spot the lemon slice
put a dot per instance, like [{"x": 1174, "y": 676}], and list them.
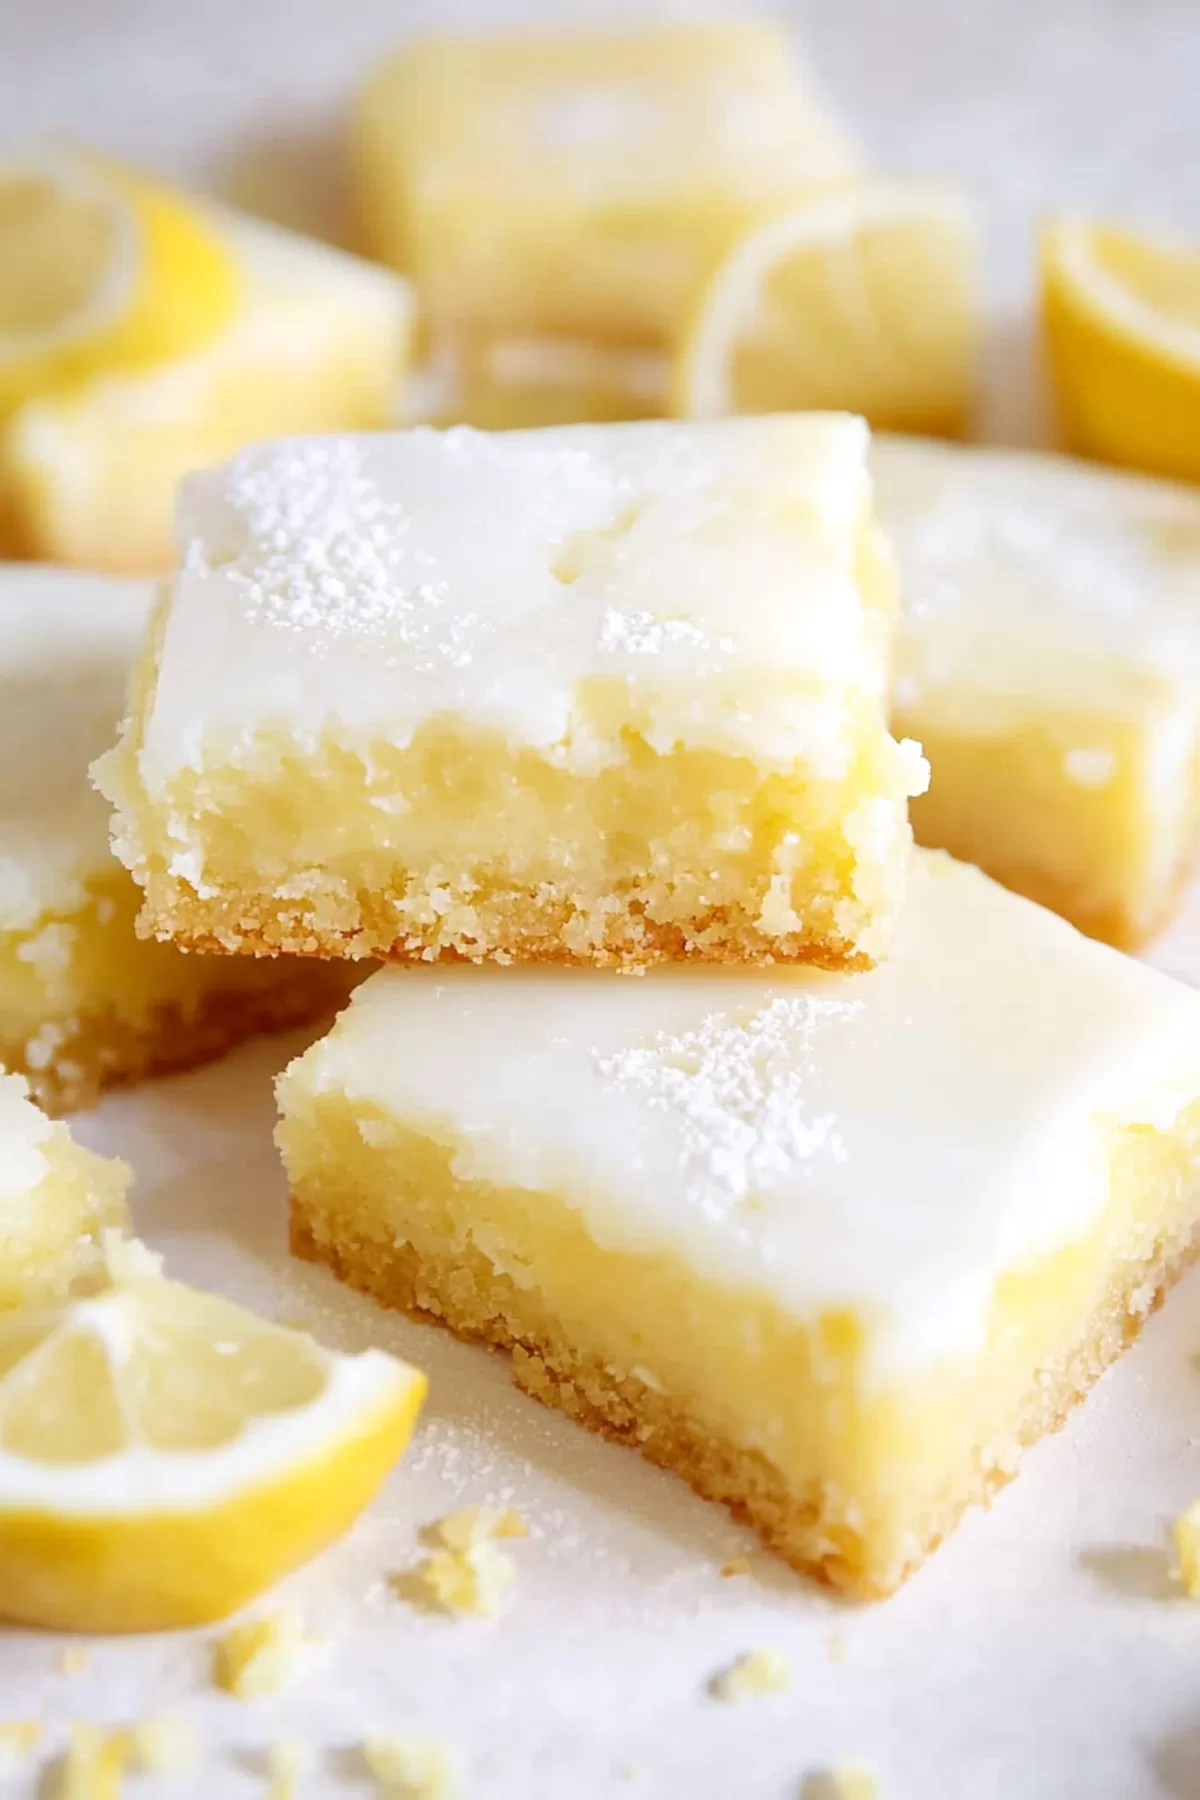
[
  {"x": 863, "y": 299},
  {"x": 320, "y": 343},
  {"x": 100, "y": 269},
  {"x": 166, "y": 1455},
  {"x": 1122, "y": 323}
]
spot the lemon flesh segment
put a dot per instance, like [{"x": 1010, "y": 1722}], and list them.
[
  {"x": 1121, "y": 317},
  {"x": 862, "y": 299},
  {"x": 101, "y": 270},
  {"x": 165, "y": 1455}
]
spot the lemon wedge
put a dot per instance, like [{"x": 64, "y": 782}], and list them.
[
  {"x": 1122, "y": 323},
  {"x": 166, "y": 1455},
  {"x": 100, "y": 269},
  {"x": 863, "y": 298}
]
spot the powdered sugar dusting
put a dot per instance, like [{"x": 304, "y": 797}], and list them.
[
  {"x": 738, "y": 1088},
  {"x": 644, "y": 635},
  {"x": 359, "y": 588},
  {"x": 323, "y": 552}
]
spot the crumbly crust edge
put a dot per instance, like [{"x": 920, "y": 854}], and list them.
[
  {"x": 463, "y": 1291},
  {"x": 534, "y": 931},
  {"x": 103, "y": 1049}
]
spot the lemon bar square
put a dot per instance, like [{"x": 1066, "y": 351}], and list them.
[
  {"x": 1049, "y": 660},
  {"x": 580, "y": 183},
  {"x": 834, "y": 1247},
  {"x": 83, "y": 1002},
  {"x": 56, "y": 1202},
  {"x": 606, "y": 694}
]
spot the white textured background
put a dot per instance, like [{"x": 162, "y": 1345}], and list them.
[{"x": 1042, "y": 1655}]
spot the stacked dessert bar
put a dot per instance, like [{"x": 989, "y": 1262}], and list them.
[{"x": 822, "y": 1170}]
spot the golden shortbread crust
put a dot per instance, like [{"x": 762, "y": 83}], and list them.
[
  {"x": 509, "y": 926},
  {"x": 102, "y": 1049}
]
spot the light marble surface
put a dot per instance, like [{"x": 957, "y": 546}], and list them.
[{"x": 1042, "y": 1653}]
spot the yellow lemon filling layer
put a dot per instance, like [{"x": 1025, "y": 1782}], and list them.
[{"x": 778, "y": 1416}]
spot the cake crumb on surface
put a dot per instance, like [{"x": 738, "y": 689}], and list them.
[
  {"x": 19, "y": 1738},
  {"x": 737, "y": 1565},
  {"x": 758, "y": 1672},
  {"x": 409, "y": 1765},
  {"x": 474, "y": 1580},
  {"x": 260, "y": 1657},
  {"x": 163, "y": 1745},
  {"x": 837, "y": 1647},
  {"x": 94, "y": 1763},
  {"x": 472, "y": 1525},
  {"x": 289, "y": 1760},
  {"x": 1186, "y": 1532},
  {"x": 73, "y": 1660},
  {"x": 845, "y": 1781}
]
